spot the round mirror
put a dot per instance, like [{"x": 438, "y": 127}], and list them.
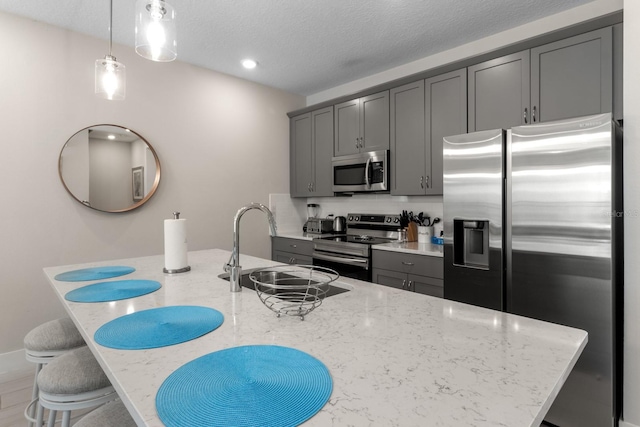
[{"x": 109, "y": 168}]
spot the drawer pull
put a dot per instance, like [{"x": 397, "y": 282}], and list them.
[
  {"x": 407, "y": 263},
  {"x": 294, "y": 246}
]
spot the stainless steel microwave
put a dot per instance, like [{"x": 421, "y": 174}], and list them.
[{"x": 361, "y": 172}]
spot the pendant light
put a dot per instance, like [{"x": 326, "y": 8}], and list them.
[
  {"x": 156, "y": 30},
  {"x": 110, "y": 74}
]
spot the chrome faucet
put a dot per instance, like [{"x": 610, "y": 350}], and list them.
[{"x": 233, "y": 267}]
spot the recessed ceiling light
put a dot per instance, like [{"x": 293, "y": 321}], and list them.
[
  {"x": 249, "y": 64},
  {"x": 111, "y": 137}
]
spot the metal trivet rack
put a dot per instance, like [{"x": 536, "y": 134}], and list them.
[{"x": 293, "y": 290}]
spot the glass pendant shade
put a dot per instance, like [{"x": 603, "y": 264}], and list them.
[
  {"x": 110, "y": 78},
  {"x": 156, "y": 30}
]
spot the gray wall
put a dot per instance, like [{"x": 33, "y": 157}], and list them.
[{"x": 214, "y": 135}]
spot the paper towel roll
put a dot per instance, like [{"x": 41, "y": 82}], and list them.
[{"x": 175, "y": 246}]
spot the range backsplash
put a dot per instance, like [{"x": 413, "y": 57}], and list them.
[{"x": 291, "y": 213}]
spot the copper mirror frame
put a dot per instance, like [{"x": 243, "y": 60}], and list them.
[{"x": 109, "y": 168}]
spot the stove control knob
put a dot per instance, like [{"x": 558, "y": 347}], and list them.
[
  {"x": 351, "y": 218},
  {"x": 389, "y": 219},
  {"x": 396, "y": 220},
  {"x": 357, "y": 218}
]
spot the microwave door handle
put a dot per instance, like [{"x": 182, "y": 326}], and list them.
[{"x": 366, "y": 173}]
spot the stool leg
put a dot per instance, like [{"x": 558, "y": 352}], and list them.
[
  {"x": 52, "y": 418},
  {"x": 34, "y": 395},
  {"x": 66, "y": 418},
  {"x": 40, "y": 416}
]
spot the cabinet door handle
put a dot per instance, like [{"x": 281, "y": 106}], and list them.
[
  {"x": 404, "y": 284},
  {"x": 422, "y": 182},
  {"x": 357, "y": 142},
  {"x": 292, "y": 260},
  {"x": 426, "y": 181},
  {"x": 409, "y": 287},
  {"x": 534, "y": 114},
  {"x": 524, "y": 116}
]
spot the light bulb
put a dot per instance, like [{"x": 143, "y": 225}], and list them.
[
  {"x": 156, "y": 38},
  {"x": 109, "y": 81}
]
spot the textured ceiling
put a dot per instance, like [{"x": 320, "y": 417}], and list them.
[{"x": 303, "y": 46}]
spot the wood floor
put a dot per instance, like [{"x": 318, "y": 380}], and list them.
[{"x": 15, "y": 395}]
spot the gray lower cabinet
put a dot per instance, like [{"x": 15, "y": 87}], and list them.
[
  {"x": 311, "y": 151},
  {"x": 568, "y": 78},
  {"x": 362, "y": 124},
  {"x": 417, "y": 273},
  {"x": 291, "y": 251},
  {"x": 422, "y": 113}
]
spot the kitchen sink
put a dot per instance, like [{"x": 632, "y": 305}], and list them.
[{"x": 292, "y": 282}]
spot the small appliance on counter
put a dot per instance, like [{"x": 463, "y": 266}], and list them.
[
  {"x": 339, "y": 224},
  {"x": 313, "y": 210},
  {"x": 319, "y": 225}
]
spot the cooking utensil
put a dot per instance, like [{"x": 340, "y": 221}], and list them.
[{"x": 435, "y": 221}]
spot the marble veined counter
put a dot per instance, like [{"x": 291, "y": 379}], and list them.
[{"x": 396, "y": 358}]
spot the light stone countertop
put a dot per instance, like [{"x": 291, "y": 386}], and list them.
[
  {"x": 427, "y": 249},
  {"x": 396, "y": 358}
]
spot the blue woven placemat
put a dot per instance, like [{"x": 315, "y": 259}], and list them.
[
  {"x": 94, "y": 273},
  {"x": 112, "y": 291},
  {"x": 158, "y": 327},
  {"x": 256, "y": 385}
]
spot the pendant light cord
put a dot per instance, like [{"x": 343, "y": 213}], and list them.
[{"x": 110, "y": 25}]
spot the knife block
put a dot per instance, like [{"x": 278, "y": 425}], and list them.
[{"x": 412, "y": 232}]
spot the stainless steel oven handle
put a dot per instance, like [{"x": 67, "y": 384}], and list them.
[
  {"x": 341, "y": 260},
  {"x": 366, "y": 172}
]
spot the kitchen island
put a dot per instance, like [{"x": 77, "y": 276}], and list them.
[{"x": 396, "y": 358}]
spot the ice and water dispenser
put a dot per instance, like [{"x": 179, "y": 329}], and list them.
[{"x": 471, "y": 243}]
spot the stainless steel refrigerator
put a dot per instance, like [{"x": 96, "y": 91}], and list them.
[{"x": 533, "y": 226}]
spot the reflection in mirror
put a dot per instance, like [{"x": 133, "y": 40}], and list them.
[{"x": 109, "y": 168}]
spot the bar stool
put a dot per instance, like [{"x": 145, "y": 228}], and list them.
[
  {"x": 72, "y": 381},
  {"x": 45, "y": 342},
  {"x": 112, "y": 414}
]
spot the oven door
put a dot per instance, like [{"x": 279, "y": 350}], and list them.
[
  {"x": 361, "y": 172},
  {"x": 346, "y": 265}
]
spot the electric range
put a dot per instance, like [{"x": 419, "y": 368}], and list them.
[{"x": 350, "y": 254}]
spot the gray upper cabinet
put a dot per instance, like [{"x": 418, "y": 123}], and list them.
[
  {"x": 572, "y": 77},
  {"x": 499, "y": 92},
  {"x": 446, "y": 114},
  {"x": 362, "y": 124},
  {"x": 568, "y": 78},
  {"x": 311, "y": 152},
  {"x": 408, "y": 144},
  {"x": 422, "y": 113},
  {"x": 300, "y": 155}
]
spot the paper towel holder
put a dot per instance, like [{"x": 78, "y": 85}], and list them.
[{"x": 176, "y": 215}]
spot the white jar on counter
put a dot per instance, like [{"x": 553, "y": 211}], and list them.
[{"x": 424, "y": 234}]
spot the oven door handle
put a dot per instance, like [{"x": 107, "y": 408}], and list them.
[{"x": 342, "y": 260}]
